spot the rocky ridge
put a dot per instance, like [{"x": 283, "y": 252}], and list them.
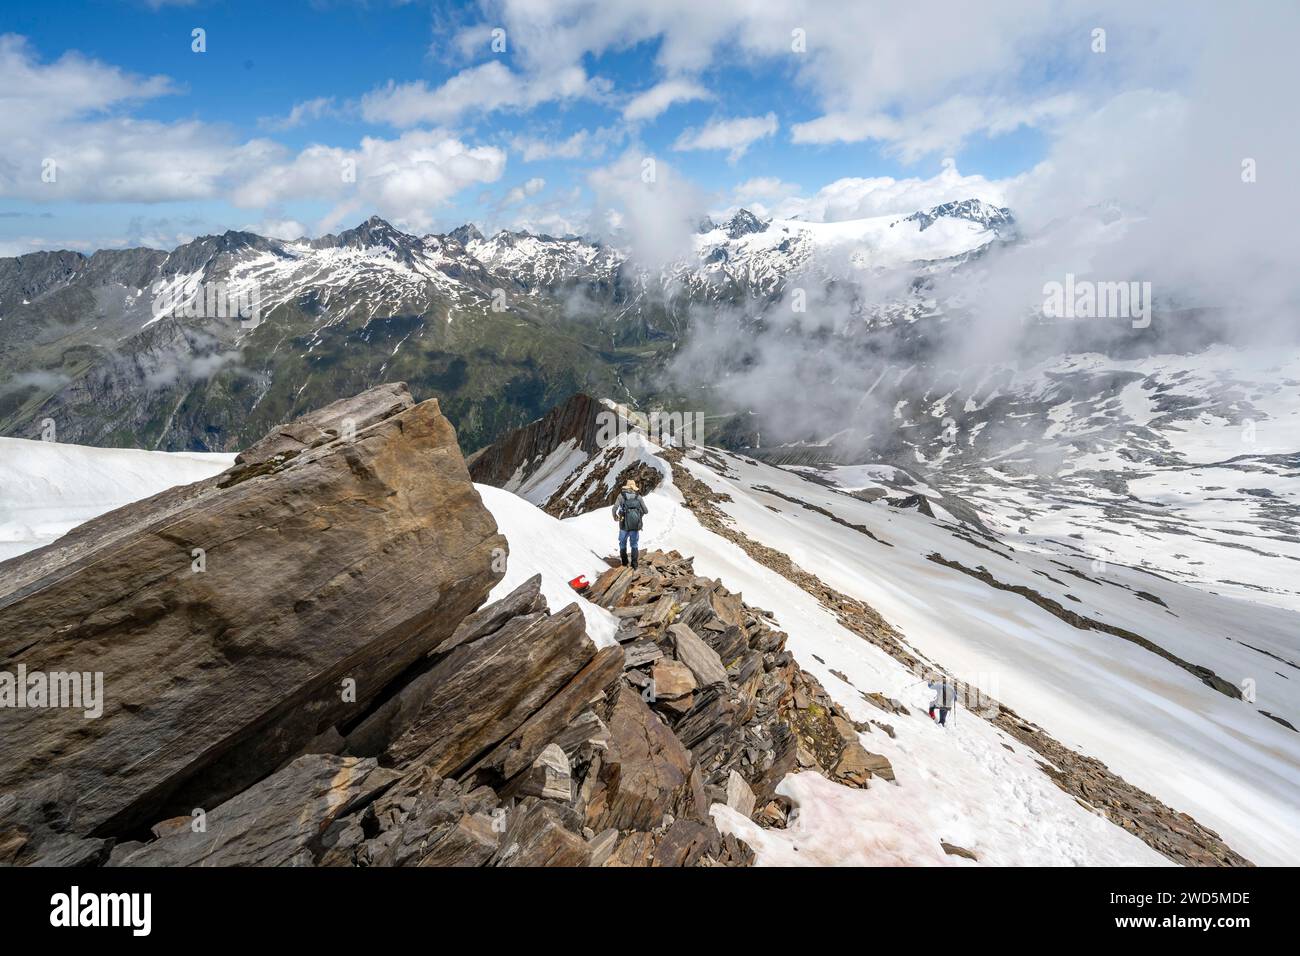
[
  {"x": 329, "y": 688},
  {"x": 718, "y": 674},
  {"x": 566, "y": 462}
]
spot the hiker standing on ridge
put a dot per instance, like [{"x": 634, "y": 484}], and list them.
[
  {"x": 945, "y": 697},
  {"x": 629, "y": 509}
]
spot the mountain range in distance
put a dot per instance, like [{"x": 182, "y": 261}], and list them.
[{"x": 498, "y": 328}]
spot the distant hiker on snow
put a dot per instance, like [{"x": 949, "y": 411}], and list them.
[
  {"x": 945, "y": 697},
  {"x": 629, "y": 509}
]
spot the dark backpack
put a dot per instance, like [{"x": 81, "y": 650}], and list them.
[{"x": 631, "y": 512}]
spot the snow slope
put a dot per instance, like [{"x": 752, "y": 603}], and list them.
[
  {"x": 1183, "y": 464},
  {"x": 1156, "y": 725},
  {"x": 47, "y": 489},
  {"x": 540, "y": 545}
]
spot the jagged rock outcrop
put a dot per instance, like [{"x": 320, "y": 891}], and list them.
[
  {"x": 587, "y": 774},
  {"x": 751, "y": 714},
  {"x": 483, "y": 690},
  {"x": 570, "y": 461},
  {"x": 38, "y": 825},
  {"x": 422, "y": 820},
  {"x": 522, "y": 451},
  {"x": 238, "y": 619},
  {"x": 274, "y": 823},
  {"x": 744, "y": 223}
]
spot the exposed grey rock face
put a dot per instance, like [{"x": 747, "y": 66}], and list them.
[
  {"x": 343, "y": 418},
  {"x": 236, "y": 620},
  {"x": 744, "y": 223},
  {"x": 753, "y": 717},
  {"x": 38, "y": 827},
  {"x": 466, "y": 234},
  {"x": 549, "y": 776},
  {"x": 974, "y": 210},
  {"x": 518, "y": 454},
  {"x": 564, "y": 720},
  {"x": 580, "y": 424},
  {"x": 481, "y": 691},
  {"x": 739, "y": 797},
  {"x": 274, "y": 823},
  {"x": 702, "y": 660}
]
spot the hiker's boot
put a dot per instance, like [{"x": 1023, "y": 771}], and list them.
[
  {"x": 634, "y": 550},
  {"x": 622, "y": 557}
]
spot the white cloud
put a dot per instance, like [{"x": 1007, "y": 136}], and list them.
[
  {"x": 654, "y": 208},
  {"x": 62, "y": 136},
  {"x": 554, "y": 215},
  {"x": 942, "y": 128},
  {"x": 523, "y": 191},
  {"x": 921, "y": 82},
  {"x": 318, "y": 108},
  {"x": 21, "y": 245},
  {"x": 127, "y": 160},
  {"x": 657, "y": 99},
  {"x": 66, "y": 116},
  {"x": 480, "y": 89},
  {"x": 764, "y": 187},
  {"x": 862, "y": 198},
  {"x": 73, "y": 86},
  {"x": 734, "y": 135},
  {"x": 278, "y": 228},
  {"x": 584, "y": 144},
  {"x": 402, "y": 179},
  {"x": 533, "y": 149}
]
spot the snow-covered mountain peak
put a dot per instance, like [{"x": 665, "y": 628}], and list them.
[
  {"x": 541, "y": 260},
  {"x": 743, "y": 223},
  {"x": 762, "y": 256},
  {"x": 373, "y": 232},
  {"x": 973, "y": 210},
  {"x": 465, "y": 234}
]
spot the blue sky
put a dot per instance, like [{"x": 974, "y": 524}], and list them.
[{"x": 154, "y": 143}]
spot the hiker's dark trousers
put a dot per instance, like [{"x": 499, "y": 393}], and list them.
[
  {"x": 624, "y": 539},
  {"x": 943, "y": 715}
]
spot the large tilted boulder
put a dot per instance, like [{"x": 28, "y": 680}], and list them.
[
  {"x": 483, "y": 690},
  {"x": 38, "y": 826},
  {"x": 278, "y": 822},
  {"x": 646, "y": 774},
  {"x": 237, "y": 620}
]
